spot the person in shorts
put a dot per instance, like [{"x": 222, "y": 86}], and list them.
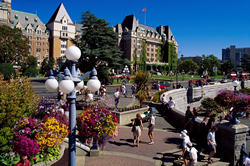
[
  {"x": 192, "y": 154},
  {"x": 138, "y": 128},
  {"x": 116, "y": 97},
  {"x": 151, "y": 125},
  {"x": 211, "y": 144},
  {"x": 185, "y": 149}
]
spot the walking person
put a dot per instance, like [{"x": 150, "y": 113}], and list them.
[
  {"x": 116, "y": 96},
  {"x": 123, "y": 90},
  {"x": 247, "y": 160},
  {"x": 193, "y": 120},
  {"x": 158, "y": 86},
  {"x": 211, "y": 144},
  {"x": 151, "y": 125},
  {"x": 137, "y": 122},
  {"x": 188, "y": 118},
  {"x": 133, "y": 88},
  {"x": 192, "y": 154},
  {"x": 185, "y": 149}
]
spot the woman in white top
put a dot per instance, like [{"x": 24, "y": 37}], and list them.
[{"x": 90, "y": 96}]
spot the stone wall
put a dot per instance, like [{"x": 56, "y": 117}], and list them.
[{"x": 230, "y": 137}]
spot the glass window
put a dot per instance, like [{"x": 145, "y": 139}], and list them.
[
  {"x": 38, "y": 56},
  {"x": 30, "y": 43},
  {"x": 64, "y": 28},
  {"x": 47, "y": 50},
  {"x": 47, "y": 44}
]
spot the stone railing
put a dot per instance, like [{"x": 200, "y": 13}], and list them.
[{"x": 230, "y": 137}]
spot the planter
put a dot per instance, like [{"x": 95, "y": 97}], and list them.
[
  {"x": 53, "y": 161},
  {"x": 124, "y": 118}
]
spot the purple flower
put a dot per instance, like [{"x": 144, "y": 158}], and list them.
[{"x": 12, "y": 154}]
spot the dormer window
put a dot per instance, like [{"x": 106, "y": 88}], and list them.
[
  {"x": 32, "y": 25},
  {"x": 35, "y": 19},
  {"x": 16, "y": 16},
  {"x": 26, "y": 18}
]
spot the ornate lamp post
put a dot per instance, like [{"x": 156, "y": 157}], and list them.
[
  {"x": 70, "y": 82},
  {"x": 234, "y": 119},
  {"x": 126, "y": 70},
  {"x": 171, "y": 74}
]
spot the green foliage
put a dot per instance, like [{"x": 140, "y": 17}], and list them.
[
  {"x": 135, "y": 59},
  {"x": 227, "y": 66},
  {"x": 47, "y": 64},
  {"x": 9, "y": 159},
  {"x": 103, "y": 74},
  {"x": 172, "y": 56},
  {"x": 159, "y": 57},
  {"x": 7, "y": 70},
  {"x": 98, "y": 45},
  {"x": 16, "y": 101},
  {"x": 208, "y": 63},
  {"x": 14, "y": 45},
  {"x": 141, "y": 79},
  {"x": 143, "y": 55},
  {"x": 209, "y": 103},
  {"x": 245, "y": 90},
  {"x": 157, "y": 95},
  {"x": 188, "y": 65},
  {"x": 29, "y": 67}
]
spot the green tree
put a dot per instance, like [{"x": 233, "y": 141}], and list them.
[
  {"x": 14, "y": 45},
  {"x": 180, "y": 65},
  {"x": 188, "y": 65},
  {"x": 208, "y": 62},
  {"x": 98, "y": 44},
  {"x": 172, "y": 56},
  {"x": 135, "y": 59},
  {"x": 143, "y": 55},
  {"x": 29, "y": 66},
  {"x": 47, "y": 64},
  {"x": 227, "y": 66},
  {"x": 7, "y": 70}
]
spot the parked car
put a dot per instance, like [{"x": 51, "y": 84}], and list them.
[{"x": 164, "y": 85}]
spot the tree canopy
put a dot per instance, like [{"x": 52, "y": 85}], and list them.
[
  {"x": 14, "y": 45},
  {"x": 47, "y": 64},
  {"x": 208, "y": 62},
  {"x": 227, "y": 66},
  {"x": 98, "y": 44},
  {"x": 188, "y": 65}
]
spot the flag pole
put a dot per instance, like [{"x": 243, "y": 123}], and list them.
[{"x": 145, "y": 16}]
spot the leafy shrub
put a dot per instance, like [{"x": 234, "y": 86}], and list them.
[
  {"x": 209, "y": 103},
  {"x": 245, "y": 90},
  {"x": 157, "y": 95},
  {"x": 7, "y": 70},
  {"x": 141, "y": 79},
  {"x": 16, "y": 101}
]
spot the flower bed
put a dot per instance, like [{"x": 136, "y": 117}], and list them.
[
  {"x": 98, "y": 123},
  {"x": 38, "y": 137},
  {"x": 192, "y": 81},
  {"x": 132, "y": 107},
  {"x": 126, "y": 116}
]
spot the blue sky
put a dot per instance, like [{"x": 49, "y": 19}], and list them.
[{"x": 199, "y": 26}]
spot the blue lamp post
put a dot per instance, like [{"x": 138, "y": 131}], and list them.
[
  {"x": 126, "y": 71},
  {"x": 234, "y": 119},
  {"x": 70, "y": 82}
]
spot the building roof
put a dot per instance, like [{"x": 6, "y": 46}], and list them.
[
  {"x": 59, "y": 13},
  {"x": 3, "y": 5},
  {"x": 25, "y": 19},
  {"x": 129, "y": 22}
]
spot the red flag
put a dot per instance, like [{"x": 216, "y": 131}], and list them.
[{"x": 143, "y": 10}]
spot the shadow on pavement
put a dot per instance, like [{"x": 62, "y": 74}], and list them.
[
  {"x": 176, "y": 141},
  {"x": 120, "y": 144}
]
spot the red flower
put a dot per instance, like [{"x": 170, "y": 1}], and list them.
[
  {"x": 60, "y": 147},
  {"x": 45, "y": 117},
  {"x": 34, "y": 158},
  {"x": 69, "y": 130},
  {"x": 115, "y": 120},
  {"x": 114, "y": 116}
]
